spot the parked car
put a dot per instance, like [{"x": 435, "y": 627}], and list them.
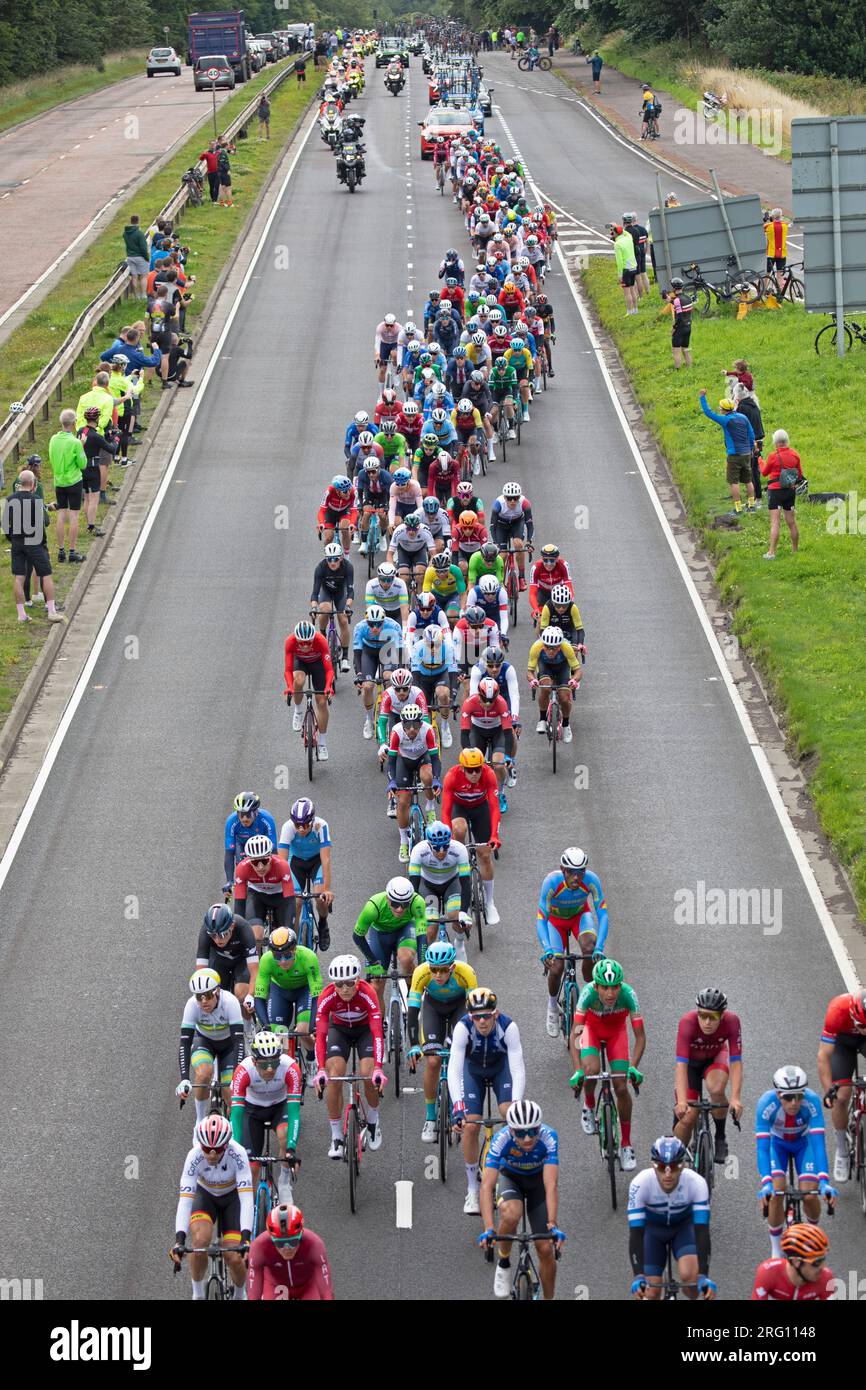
[
  {"x": 213, "y": 62},
  {"x": 163, "y": 60}
]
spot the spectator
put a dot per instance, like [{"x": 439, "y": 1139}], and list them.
[
  {"x": 34, "y": 463},
  {"x": 225, "y": 177},
  {"x": 178, "y": 363},
  {"x": 300, "y": 72},
  {"x": 123, "y": 389},
  {"x": 783, "y": 472},
  {"x": 626, "y": 266},
  {"x": 98, "y": 395},
  {"x": 494, "y": 39},
  {"x": 739, "y": 442},
  {"x": 738, "y": 375},
  {"x": 94, "y": 445},
  {"x": 23, "y": 526},
  {"x": 68, "y": 462},
  {"x": 550, "y": 40},
  {"x": 137, "y": 255},
  {"x": 747, "y": 404},
  {"x": 682, "y": 306},
  {"x": 597, "y": 63},
  {"x": 264, "y": 115},
  {"x": 211, "y": 160}
]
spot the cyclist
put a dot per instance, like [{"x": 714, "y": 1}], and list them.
[
  {"x": 441, "y": 153},
  {"x": 377, "y": 649},
  {"x": 401, "y": 692},
  {"x": 548, "y": 571},
  {"x": 669, "y": 1208},
  {"x": 389, "y": 591},
  {"x": 487, "y": 560},
  {"x": 465, "y": 499},
  {"x": 263, "y": 884},
  {"x": 247, "y": 818},
  {"x": 470, "y": 802},
  {"x": 439, "y": 870},
  {"x": 451, "y": 265},
  {"x": 426, "y": 612},
  {"x": 211, "y": 1033},
  {"x": 457, "y": 371},
  {"x": 310, "y": 649},
  {"x": 842, "y": 1040},
  {"x": 544, "y": 311},
  {"x": 800, "y": 1273},
  {"x": 512, "y": 526},
  {"x": 445, "y": 581},
  {"x": 603, "y": 1010},
  {"x": 434, "y": 669},
  {"x": 393, "y": 444},
  {"x": 216, "y": 1189},
  {"x": 410, "y": 424},
  {"x": 561, "y": 611},
  {"x": 493, "y": 665},
  {"x": 365, "y": 451},
  {"x": 571, "y": 903},
  {"x": 305, "y": 842},
  {"x": 776, "y": 232},
  {"x": 486, "y": 1051},
  {"x": 439, "y": 990},
  {"x": 227, "y": 946},
  {"x": 789, "y": 1128},
  {"x": 504, "y": 391},
  {"x": 554, "y": 662},
  {"x": 348, "y": 1016},
  {"x": 490, "y": 596},
  {"x": 288, "y": 986},
  {"x": 385, "y": 343},
  {"x": 522, "y": 1171},
  {"x": 435, "y": 470},
  {"x": 438, "y": 523},
  {"x": 334, "y": 592},
  {"x": 650, "y": 110},
  {"x": 266, "y": 1089},
  {"x": 288, "y": 1261},
  {"x": 338, "y": 511},
  {"x": 709, "y": 1047},
  {"x": 410, "y": 547},
  {"x": 467, "y": 421},
  {"x": 413, "y": 756},
  {"x": 485, "y": 723},
  {"x": 391, "y": 924},
  {"x": 404, "y": 498},
  {"x": 473, "y": 632},
  {"x": 387, "y": 408},
  {"x": 510, "y": 300},
  {"x": 440, "y": 424},
  {"x": 518, "y": 356},
  {"x": 360, "y": 422}
]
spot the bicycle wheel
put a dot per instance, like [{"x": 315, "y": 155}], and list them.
[
  {"x": 608, "y": 1135},
  {"x": 543, "y": 356},
  {"x": 372, "y": 545},
  {"x": 443, "y": 1122},
  {"x": 825, "y": 342},
  {"x": 518, "y": 411},
  {"x": 263, "y": 1206},
  {"x": 335, "y": 651},
  {"x": 795, "y": 290},
  {"x": 503, "y": 434},
  {"x": 309, "y": 741},
  {"x": 860, "y": 1160},
  {"x": 523, "y": 64},
  {"x": 479, "y": 914},
  {"x": 512, "y": 596},
  {"x": 553, "y": 732},
  {"x": 522, "y": 1289},
  {"x": 416, "y": 827},
  {"x": 704, "y": 1157},
  {"x": 353, "y": 1155},
  {"x": 703, "y": 302},
  {"x": 214, "y": 1290},
  {"x": 395, "y": 1041},
  {"x": 567, "y": 1007},
  {"x": 544, "y": 63}
]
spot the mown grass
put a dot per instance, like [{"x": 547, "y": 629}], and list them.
[
  {"x": 20, "y": 101},
  {"x": 801, "y": 618},
  {"x": 211, "y": 232}
]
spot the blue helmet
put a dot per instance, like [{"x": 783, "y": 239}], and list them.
[
  {"x": 402, "y": 476},
  {"x": 341, "y": 483},
  {"x": 438, "y": 835},
  {"x": 440, "y": 953},
  {"x": 431, "y": 505},
  {"x": 667, "y": 1151}
]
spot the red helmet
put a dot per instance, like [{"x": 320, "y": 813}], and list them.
[
  {"x": 488, "y": 689},
  {"x": 858, "y": 1008},
  {"x": 286, "y": 1223}
]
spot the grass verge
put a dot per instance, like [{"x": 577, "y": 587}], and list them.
[
  {"x": 21, "y": 101},
  {"x": 800, "y": 617},
  {"x": 211, "y": 232}
]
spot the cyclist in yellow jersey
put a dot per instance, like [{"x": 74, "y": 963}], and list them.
[
  {"x": 444, "y": 983},
  {"x": 445, "y": 580},
  {"x": 518, "y": 356},
  {"x": 553, "y": 662},
  {"x": 561, "y": 611}
]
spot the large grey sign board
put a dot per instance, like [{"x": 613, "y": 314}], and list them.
[
  {"x": 812, "y": 161},
  {"x": 697, "y": 232}
]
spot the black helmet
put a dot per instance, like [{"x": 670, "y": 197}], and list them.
[
  {"x": 712, "y": 999},
  {"x": 677, "y": 283},
  {"x": 218, "y": 919},
  {"x": 34, "y": 460}
]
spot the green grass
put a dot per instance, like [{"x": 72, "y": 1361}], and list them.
[
  {"x": 20, "y": 101},
  {"x": 211, "y": 232},
  {"x": 800, "y": 618}
]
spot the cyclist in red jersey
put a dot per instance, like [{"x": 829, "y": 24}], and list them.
[
  {"x": 307, "y": 655},
  {"x": 339, "y": 509},
  {"x": 548, "y": 571},
  {"x": 470, "y": 802},
  {"x": 288, "y": 1262},
  {"x": 802, "y": 1274},
  {"x": 842, "y": 1040},
  {"x": 348, "y": 1015},
  {"x": 709, "y": 1047},
  {"x": 263, "y": 881}
]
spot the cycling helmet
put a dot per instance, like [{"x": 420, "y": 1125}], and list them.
[
  {"x": 550, "y": 553},
  {"x": 371, "y": 465},
  {"x": 472, "y": 758},
  {"x": 451, "y": 255},
  {"x": 204, "y": 982},
  {"x": 439, "y": 389},
  {"x": 574, "y": 860},
  {"x": 91, "y": 414},
  {"x": 668, "y": 1151},
  {"x": 429, "y": 440},
  {"x": 284, "y": 943},
  {"x": 401, "y": 679},
  {"x": 477, "y": 378},
  {"x": 858, "y": 1008},
  {"x": 438, "y": 836},
  {"x": 411, "y": 330},
  {"x": 344, "y": 970},
  {"x": 362, "y": 419},
  {"x": 466, "y": 519},
  {"x": 213, "y": 1132},
  {"x": 366, "y": 439},
  {"x": 442, "y": 560},
  {"x": 607, "y": 973},
  {"x": 465, "y": 490},
  {"x": 523, "y": 1115},
  {"x": 464, "y": 406},
  {"x": 802, "y": 1241},
  {"x": 541, "y": 298},
  {"x": 460, "y": 352},
  {"x": 488, "y": 689},
  {"x": 412, "y": 521},
  {"x": 375, "y": 614},
  {"x": 390, "y": 320},
  {"x": 426, "y": 602},
  {"x": 438, "y": 415},
  {"x": 304, "y": 630},
  {"x": 399, "y": 890},
  {"x": 516, "y": 344},
  {"x": 521, "y": 328},
  {"x": 560, "y": 596},
  {"x": 490, "y": 550},
  {"x": 388, "y": 426},
  {"x": 532, "y": 240},
  {"x": 387, "y": 572},
  {"x": 341, "y": 483},
  {"x": 412, "y": 714},
  {"x": 789, "y": 1079},
  {"x": 712, "y": 999},
  {"x": 512, "y": 491},
  {"x": 441, "y": 953},
  {"x": 266, "y": 1046},
  {"x": 402, "y": 476},
  {"x": 218, "y": 919},
  {"x": 488, "y": 585},
  {"x": 552, "y": 637},
  {"x": 246, "y": 803},
  {"x": 492, "y": 656},
  {"x": 414, "y": 346},
  {"x": 430, "y": 505},
  {"x": 333, "y": 551},
  {"x": 479, "y": 337},
  {"x": 259, "y": 847},
  {"x": 286, "y": 1223},
  {"x": 443, "y": 458},
  {"x": 677, "y": 283},
  {"x": 450, "y": 281},
  {"x": 500, "y": 331},
  {"x": 17, "y": 408},
  {"x": 303, "y": 810}
]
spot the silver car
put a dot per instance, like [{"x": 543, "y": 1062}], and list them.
[{"x": 163, "y": 60}]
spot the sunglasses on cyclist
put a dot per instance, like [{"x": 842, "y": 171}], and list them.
[
  {"x": 440, "y": 969},
  {"x": 287, "y": 1242},
  {"x": 667, "y": 1167},
  {"x": 258, "y": 862},
  {"x": 210, "y": 994},
  {"x": 483, "y": 1014},
  {"x": 790, "y": 1095},
  {"x": 532, "y": 1133},
  {"x": 707, "y": 1016}
]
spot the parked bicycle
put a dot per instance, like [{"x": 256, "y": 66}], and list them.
[
  {"x": 738, "y": 286},
  {"x": 826, "y": 341}
]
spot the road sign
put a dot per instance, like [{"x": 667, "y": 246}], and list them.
[
  {"x": 828, "y": 156},
  {"x": 213, "y": 74},
  {"x": 708, "y": 232}
]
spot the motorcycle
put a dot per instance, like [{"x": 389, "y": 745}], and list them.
[
  {"x": 350, "y": 164},
  {"x": 331, "y": 127},
  {"x": 395, "y": 81}
]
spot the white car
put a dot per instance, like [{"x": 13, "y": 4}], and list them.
[{"x": 163, "y": 60}]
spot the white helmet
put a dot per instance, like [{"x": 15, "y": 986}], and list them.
[
  {"x": 266, "y": 1045},
  {"x": 333, "y": 551},
  {"x": 412, "y": 714},
  {"x": 390, "y": 319},
  {"x": 573, "y": 859},
  {"x": 465, "y": 406},
  {"x": 790, "y": 1079},
  {"x": 512, "y": 491},
  {"x": 560, "y": 595},
  {"x": 523, "y": 1114},
  {"x": 361, "y": 418},
  {"x": 375, "y": 613},
  {"x": 387, "y": 571},
  {"x": 399, "y": 890},
  {"x": 488, "y": 584},
  {"x": 344, "y": 969},
  {"x": 552, "y": 637},
  {"x": 259, "y": 847},
  {"x": 203, "y": 981}
]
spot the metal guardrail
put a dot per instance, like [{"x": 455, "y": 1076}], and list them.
[{"x": 46, "y": 392}]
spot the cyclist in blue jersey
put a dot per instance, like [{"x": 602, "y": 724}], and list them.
[
  {"x": 485, "y": 1050},
  {"x": 305, "y": 841},
  {"x": 789, "y": 1125},
  {"x": 247, "y": 819},
  {"x": 669, "y": 1206},
  {"x": 425, "y": 613},
  {"x": 360, "y": 422},
  {"x": 377, "y": 647},
  {"x": 565, "y": 908},
  {"x": 434, "y": 669},
  {"x": 523, "y": 1161}
]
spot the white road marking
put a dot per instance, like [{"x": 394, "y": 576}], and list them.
[
  {"x": 834, "y": 940},
  {"x": 403, "y": 1203}
]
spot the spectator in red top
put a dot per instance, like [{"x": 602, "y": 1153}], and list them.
[
  {"x": 783, "y": 472},
  {"x": 309, "y": 649},
  {"x": 211, "y": 159},
  {"x": 738, "y": 373}
]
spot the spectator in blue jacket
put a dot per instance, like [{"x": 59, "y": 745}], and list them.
[
  {"x": 129, "y": 343},
  {"x": 739, "y": 443}
]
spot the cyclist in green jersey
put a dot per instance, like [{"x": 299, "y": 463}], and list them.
[
  {"x": 391, "y": 923},
  {"x": 504, "y": 389},
  {"x": 487, "y": 560},
  {"x": 393, "y": 444},
  {"x": 288, "y": 983}
]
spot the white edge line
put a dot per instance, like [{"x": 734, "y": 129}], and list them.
[
  {"x": 834, "y": 940},
  {"x": 132, "y": 564},
  {"x": 62, "y": 257}
]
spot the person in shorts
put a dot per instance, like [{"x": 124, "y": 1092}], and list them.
[
  {"x": 784, "y": 473},
  {"x": 68, "y": 462},
  {"x": 24, "y": 528}
]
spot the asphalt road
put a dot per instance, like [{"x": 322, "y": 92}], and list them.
[
  {"x": 102, "y": 905},
  {"x": 63, "y": 168}
]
